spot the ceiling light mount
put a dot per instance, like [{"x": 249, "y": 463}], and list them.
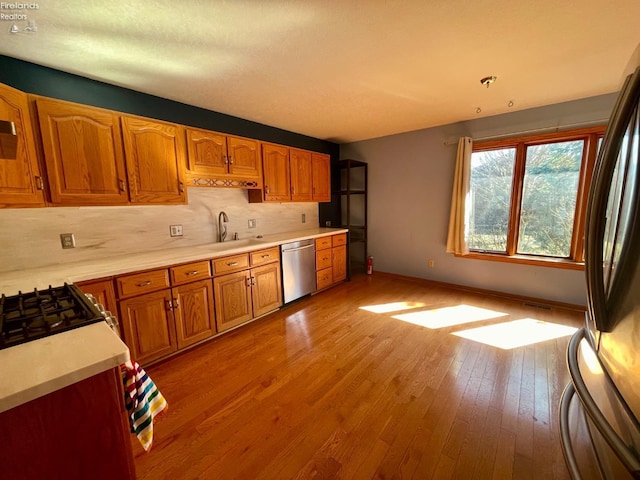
[{"x": 486, "y": 81}]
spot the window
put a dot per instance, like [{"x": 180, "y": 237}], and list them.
[{"x": 528, "y": 197}]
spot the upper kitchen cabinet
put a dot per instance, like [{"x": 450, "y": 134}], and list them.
[
  {"x": 218, "y": 160},
  {"x": 293, "y": 175},
  {"x": 321, "y": 177},
  {"x": 83, "y": 151},
  {"x": 300, "y": 169},
  {"x": 155, "y": 156},
  {"x": 20, "y": 182},
  {"x": 275, "y": 168}
]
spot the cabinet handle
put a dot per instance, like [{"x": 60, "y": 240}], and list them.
[
  {"x": 230, "y": 160},
  {"x": 232, "y": 264},
  {"x": 169, "y": 305},
  {"x": 39, "y": 183},
  {"x": 226, "y": 159},
  {"x": 181, "y": 186},
  {"x": 266, "y": 256},
  {"x": 293, "y": 191},
  {"x": 325, "y": 258},
  {"x": 191, "y": 273},
  {"x": 175, "y": 303},
  {"x": 266, "y": 189},
  {"x": 144, "y": 284},
  {"x": 123, "y": 186}
]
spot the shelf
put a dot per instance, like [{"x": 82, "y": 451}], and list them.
[{"x": 350, "y": 192}]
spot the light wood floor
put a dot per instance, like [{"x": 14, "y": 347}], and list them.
[{"x": 324, "y": 389}]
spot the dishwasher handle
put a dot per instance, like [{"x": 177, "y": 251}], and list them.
[{"x": 298, "y": 248}]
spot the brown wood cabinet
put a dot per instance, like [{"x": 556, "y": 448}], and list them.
[
  {"x": 216, "y": 159},
  {"x": 193, "y": 311},
  {"x": 103, "y": 291},
  {"x": 149, "y": 326},
  {"x": 83, "y": 152},
  {"x": 249, "y": 293},
  {"x": 331, "y": 260},
  {"x": 293, "y": 175},
  {"x": 21, "y": 184},
  {"x": 155, "y": 154},
  {"x": 159, "y": 316},
  {"x": 321, "y": 177}
]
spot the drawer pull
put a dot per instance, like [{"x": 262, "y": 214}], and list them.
[
  {"x": 191, "y": 273},
  {"x": 144, "y": 284},
  {"x": 325, "y": 258},
  {"x": 232, "y": 264},
  {"x": 266, "y": 256}
]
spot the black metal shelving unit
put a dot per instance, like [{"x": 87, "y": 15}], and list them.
[{"x": 352, "y": 195}]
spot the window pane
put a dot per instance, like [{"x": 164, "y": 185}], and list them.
[
  {"x": 550, "y": 189},
  {"x": 491, "y": 179}
]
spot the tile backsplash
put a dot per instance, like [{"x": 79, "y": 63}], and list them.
[{"x": 30, "y": 237}]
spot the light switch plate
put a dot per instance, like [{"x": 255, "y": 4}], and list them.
[
  {"x": 175, "y": 230},
  {"x": 252, "y": 223}
]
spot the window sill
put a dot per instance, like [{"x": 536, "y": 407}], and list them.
[{"x": 526, "y": 260}]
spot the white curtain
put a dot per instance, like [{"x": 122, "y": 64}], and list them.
[{"x": 459, "y": 216}]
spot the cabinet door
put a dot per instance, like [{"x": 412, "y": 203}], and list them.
[
  {"x": 20, "y": 180},
  {"x": 148, "y": 326},
  {"x": 300, "y": 165},
  {"x": 321, "y": 175},
  {"x": 339, "y": 263},
  {"x": 103, "y": 291},
  {"x": 207, "y": 152},
  {"x": 232, "y": 299},
  {"x": 275, "y": 162},
  {"x": 266, "y": 289},
  {"x": 193, "y": 312},
  {"x": 244, "y": 157},
  {"x": 155, "y": 157},
  {"x": 83, "y": 151}
]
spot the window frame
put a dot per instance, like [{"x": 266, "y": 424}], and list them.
[{"x": 575, "y": 261}]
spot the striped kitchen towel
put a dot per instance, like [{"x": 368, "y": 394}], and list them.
[{"x": 143, "y": 401}]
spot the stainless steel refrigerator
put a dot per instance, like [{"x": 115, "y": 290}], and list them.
[{"x": 600, "y": 408}]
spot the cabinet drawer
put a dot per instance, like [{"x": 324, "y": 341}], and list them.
[
  {"x": 324, "y": 278},
  {"x": 268, "y": 255},
  {"x": 130, "y": 285},
  {"x": 324, "y": 242},
  {"x": 190, "y": 272},
  {"x": 340, "y": 239},
  {"x": 323, "y": 259},
  {"x": 234, "y": 263}
]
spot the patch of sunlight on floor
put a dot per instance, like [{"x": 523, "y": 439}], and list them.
[
  {"x": 517, "y": 333},
  {"x": 448, "y": 316},
  {"x": 392, "y": 307}
]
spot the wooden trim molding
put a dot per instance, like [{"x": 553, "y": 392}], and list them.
[
  {"x": 223, "y": 182},
  {"x": 532, "y": 301},
  {"x": 565, "y": 263}
]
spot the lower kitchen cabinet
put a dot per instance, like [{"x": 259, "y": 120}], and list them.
[
  {"x": 194, "y": 313},
  {"x": 331, "y": 260},
  {"x": 233, "y": 299},
  {"x": 248, "y": 293},
  {"x": 103, "y": 292},
  {"x": 149, "y": 326}
]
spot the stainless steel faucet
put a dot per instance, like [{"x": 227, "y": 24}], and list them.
[{"x": 222, "y": 229}]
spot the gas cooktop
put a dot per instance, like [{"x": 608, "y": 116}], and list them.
[{"x": 40, "y": 313}]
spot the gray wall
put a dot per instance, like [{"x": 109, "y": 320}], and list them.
[{"x": 410, "y": 179}]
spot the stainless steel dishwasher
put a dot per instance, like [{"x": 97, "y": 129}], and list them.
[{"x": 298, "y": 269}]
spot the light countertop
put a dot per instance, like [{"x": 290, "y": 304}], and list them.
[
  {"x": 39, "y": 367},
  {"x": 34, "y": 369}
]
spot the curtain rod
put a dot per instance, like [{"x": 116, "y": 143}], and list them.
[{"x": 533, "y": 130}]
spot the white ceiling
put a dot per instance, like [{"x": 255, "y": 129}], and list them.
[{"x": 339, "y": 70}]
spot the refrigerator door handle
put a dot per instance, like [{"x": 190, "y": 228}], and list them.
[
  {"x": 567, "y": 448},
  {"x": 626, "y": 455}
]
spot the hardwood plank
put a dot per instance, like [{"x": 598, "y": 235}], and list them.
[{"x": 325, "y": 389}]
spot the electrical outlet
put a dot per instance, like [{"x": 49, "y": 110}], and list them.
[
  {"x": 68, "y": 240},
  {"x": 432, "y": 263},
  {"x": 252, "y": 223},
  {"x": 304, "y": 218},
  {"x": 175, "y": 230}
]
